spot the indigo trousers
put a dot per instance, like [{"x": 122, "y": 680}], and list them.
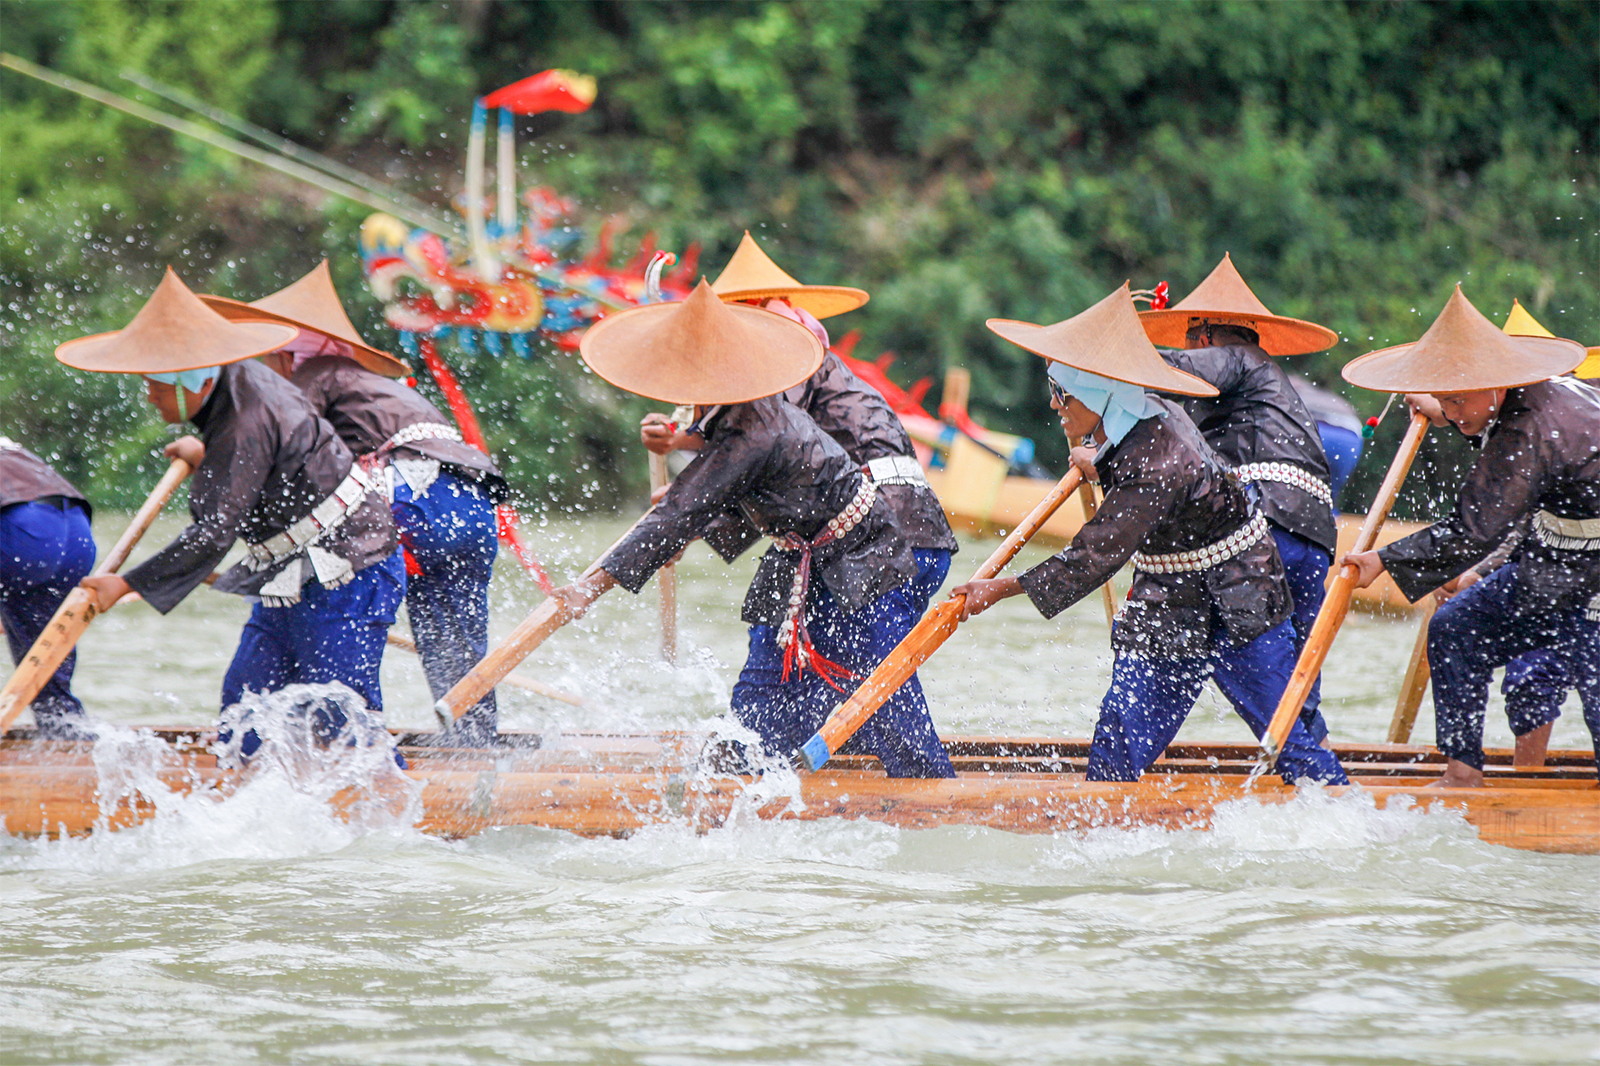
[
  {"x": 1343, "y": 449},
  {"x": 1534, "y": 687},
  {"x": 1307, "y": 567},
  {"x": 1149, "y": 698},
  {"x": 45, "y": 550},
  {"x": 787, "y": 713},
  {"x": 330, "y": 635},
  {"x": 1480, "y": 630},
  {"x": 451, "y": 536}
]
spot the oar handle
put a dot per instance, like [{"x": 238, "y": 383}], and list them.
[
  {"x": 1336, "y": 604},
  {"x": 925, "y": 638},
  {"x": 531, "y": 632},
  {"x": 667, "y": 576},
  {"x": 61, "y": 633},
  {"x": 515, "y": 680}
]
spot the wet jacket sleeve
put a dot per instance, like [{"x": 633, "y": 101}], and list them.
[
  {"x": 698, "y": 497},
  {"x": 730, "y": 536},
  {"x": 1217, "y": 367},
  {"x": 1502, "y": 488},
  {"x": 1130, "y": 510},
  {"x": 226, "y": 487}
]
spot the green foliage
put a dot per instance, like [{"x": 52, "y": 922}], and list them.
[{"x": 960, "y": 160}]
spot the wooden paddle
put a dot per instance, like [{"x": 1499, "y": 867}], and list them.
[
  {"x": 924, "y": 639},
  {"x": 514, "y": 680},
  {"x": 531, "y": 632},
  {"x": 1415, "y": 682},
  {"x": 1087, "y": 495},
  {"x": 667, "y": 576},
  {"x": 1337, "y": 602},
  {"x": 80, "y": 607}
]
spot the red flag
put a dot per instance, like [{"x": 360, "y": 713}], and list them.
[{"x": 550, "y": 90}]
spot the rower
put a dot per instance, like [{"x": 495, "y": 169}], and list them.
[
  {"x": 1260, "y": 425},
  {"x": 844, "y": 407},
  {"x": 46, "y": 548},
  {"x": 831, "y": 598},
  {"x": 1209, "y": 595},
  {"x": 442, "y": 491},
  {"x": 1540, "y": 464},
  {"x": 1536, "y": 682},
  {"x": 321, "y": 566}
]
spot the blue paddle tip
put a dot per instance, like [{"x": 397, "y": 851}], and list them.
[{"x": 815, "y": 753}]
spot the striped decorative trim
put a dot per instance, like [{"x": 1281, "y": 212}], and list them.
[
  {"x": 1287, "y": 474},
  {"x": 1567, "y": 534},
  {"x": 1207, "y": 557}
]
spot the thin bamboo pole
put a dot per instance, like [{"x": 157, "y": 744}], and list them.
[
  {"x": 1415, "y": 682},
  {"x": 1337, "y": 602},
  {"x": 667, "y": 576}
]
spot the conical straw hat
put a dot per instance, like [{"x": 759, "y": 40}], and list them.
[
  {"x": 311, "y": 304},
  {"x": 173, "y": 331},
  {"x": 1463, "y": 352},
  {"x": 1521, "y": 324},
  {"x": 701, "y": 350},
  {"x": 750, "y": 275},
  {"x": 1224, "y": 298},
  {"x": 1108, "y": 340}
]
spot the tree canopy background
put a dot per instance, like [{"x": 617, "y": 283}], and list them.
[{"x": 960, "y": 160}]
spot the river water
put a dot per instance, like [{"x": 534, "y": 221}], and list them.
[{"x": 263, "y": 930}]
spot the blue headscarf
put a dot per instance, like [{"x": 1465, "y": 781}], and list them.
[{"x": 1121, "y": 406}]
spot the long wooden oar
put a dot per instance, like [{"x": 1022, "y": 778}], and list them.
[
  {"x": 667, "y": 576},
  {"x": 1337, "y": 602},
  {"x": 531, "y": 632},
  {"x": 1087, "y": 494},
  {"x": 1415, "y": 682},
  {"x": 80, "y": 607},
  {"x": 924, "y": 639},
  {"x": 514, "y": 680}
]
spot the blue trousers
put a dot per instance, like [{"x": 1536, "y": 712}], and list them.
[
  {"x": 786, "y": 714},
  {"x": 45, "y": 550},
  {"x": 1480, "y": 630},
  {"x": 1307, "y": 567},
  {"x": 1343, "y": 449},
  {"x": 1149, "y": 698},
  {"x": 451, "y": 535},
  {"x": 330, "y": 635},
  {"x": 1534, "y": 687}
]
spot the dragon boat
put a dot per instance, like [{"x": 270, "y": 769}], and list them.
[{"x": 595, "y": 784}]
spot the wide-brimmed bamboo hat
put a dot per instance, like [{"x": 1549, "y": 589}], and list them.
[
  {"x": 1224, "y": 298},
  {"x": 1519, "y": 323},
  {"x": 311, "y": 304},
  {"x": 1463, "y": 352},
  {"x": 173, "y": 331},
  {"x": 1108, "y": 340},
  {"x": 751, "y": 275},
  {"x": 701, "y": 350}
]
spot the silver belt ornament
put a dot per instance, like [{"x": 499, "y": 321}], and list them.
[
  {"x": 1285, "y": 474},
  {"x": 1568, "y": 534},
  {"x": 420, "y": 472},
  {"x": 301, "y": 539},
  {"x": 1207, "y": 557},
  {"x": 896, "y": 470}
]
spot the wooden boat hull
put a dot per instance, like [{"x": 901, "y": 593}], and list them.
[{"x": 614, "y": 785}]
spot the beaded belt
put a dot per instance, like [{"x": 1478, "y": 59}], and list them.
[
  {"x": 331, "y": 570},
  {"x": 896, "y": 470},
  {"x": 419, "y": 431},
  {"x": 1569, "y": 534},
  {"x": 798, "y": 651},
  {"x": 1206, "y": 557},
  {"x": 1287, "y": 474}
]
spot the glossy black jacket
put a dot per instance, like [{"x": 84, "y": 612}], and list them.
[{"x": 25, "y": 477}]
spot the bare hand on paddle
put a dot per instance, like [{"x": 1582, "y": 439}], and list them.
[
  {"x": 582, "y": 593},
  {"x": 983, "y": 593},
  {"x": 1083, "y": 459},
  {"x": 1459, "y": 583},
  {"x": 1368, "y": 565},
  {"x": 108, "y": 589},
  {"x": 658, "y": 433},
  {"x": 188, "y": 448},
  {"x": 1427, "y": 404}
]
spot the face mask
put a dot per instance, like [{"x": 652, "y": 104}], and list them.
[{"x": 187, "y": 381}]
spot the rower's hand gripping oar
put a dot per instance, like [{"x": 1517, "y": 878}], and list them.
[
  {"x": 924, "y": 639},
  {"x": 80, "y": 607},
  {"x": 1337, "y": 602},
  {"x": 531, "y": 632}
]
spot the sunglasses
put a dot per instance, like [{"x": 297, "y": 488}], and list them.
[{"x": 1057, "y": 393}]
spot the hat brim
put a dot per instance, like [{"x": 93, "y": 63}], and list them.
[
  {"x": 627, "y": 350},
  {"x": 1169, "y": 328},
  {"x": 1392, "y": 369},
  {"x": 823, "y": 301},
  {"x": 103, "y": 354},
  {"x": 1589, "y": 369},
  {"x": 379, "y": 362},
  {"x": 1158, "y": 376}
]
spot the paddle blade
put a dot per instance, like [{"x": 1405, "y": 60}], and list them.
[
  {"x": 47, "y": 654},
  {"x": 531, "y": 632}
]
